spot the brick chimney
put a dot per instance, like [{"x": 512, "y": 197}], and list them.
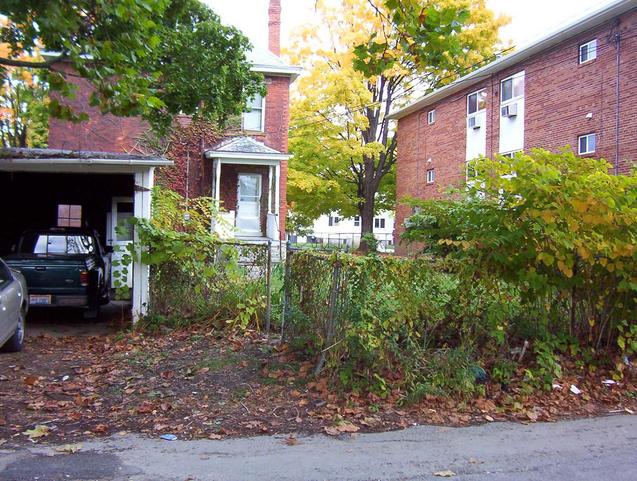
[{"x": 274, "y": 27}]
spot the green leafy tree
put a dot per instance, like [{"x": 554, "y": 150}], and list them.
[
  {"x": 560, "y": 227},
  {"x": 343, "y": 142},
  {"x": 152, "y": 58}
]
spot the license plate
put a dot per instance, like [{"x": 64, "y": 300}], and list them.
[{"x": 39, "y": 300}]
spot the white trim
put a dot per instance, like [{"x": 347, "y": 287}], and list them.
[
  {"x": 248, "y": 158},
  {"x": 563, "y": 33},
  {"x": 431, "y": 180},
  {"x": 278, "y": 71},
  {"x": 261, "y": 128},
  {"x": 142, "y": 209},
  {"x": 431, "y": 117}
]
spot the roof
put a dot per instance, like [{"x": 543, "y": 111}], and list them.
[
  {"x": 589, "y": 20},
  {"x": 244, "y": 148},
  {"x": 266, "y": 62},
  {"x": 17, "y": 159}
]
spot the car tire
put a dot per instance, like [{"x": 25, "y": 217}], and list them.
[{"x": 16, "y": 342}]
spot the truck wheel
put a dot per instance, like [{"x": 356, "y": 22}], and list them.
[{"x": 16, "y": 342}]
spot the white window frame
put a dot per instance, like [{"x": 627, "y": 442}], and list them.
[
  {"x": 591, "y": 51},
  {"x": 431, "y": 176},
  {"x": 587, "y": 137},
  {"x": 357, "y": 221},
  {"x": 511, "y": 154},
  {"x": 262, "y": 126},
  {"x": 514, "y": 97},
  {"x": 431, "y": 117},
  {"x": 334, "y": 220},
  {"x": 378, "y": 221},
  {"x": 478, "y": 109}
]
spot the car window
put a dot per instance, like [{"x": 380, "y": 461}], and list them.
[
  {"x": 5, "y": 274},
  {"x": 57, "y": 244}
]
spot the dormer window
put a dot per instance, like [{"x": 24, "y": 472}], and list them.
[{"x": 254, "y": 118}]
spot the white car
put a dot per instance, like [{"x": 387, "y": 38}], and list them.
[{"x": 13, "y": 308}]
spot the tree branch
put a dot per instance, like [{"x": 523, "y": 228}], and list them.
[{"x": 10, "y": 62}]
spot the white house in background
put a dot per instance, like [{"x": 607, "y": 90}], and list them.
[{"x": 346, "y": 232}]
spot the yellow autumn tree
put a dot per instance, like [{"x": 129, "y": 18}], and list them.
[{"x": 364, "y": 58}]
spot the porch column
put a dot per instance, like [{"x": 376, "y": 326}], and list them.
[
  {"x": 271, "y": 187},
  {"x": 142, "y": 207},
  {"x": 277, "y": 196},
  {"x": 216, "y": 189}
]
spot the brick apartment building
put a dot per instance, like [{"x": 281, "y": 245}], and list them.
[
  {"x": 250, "y": 163},
  {"x": 574, "y": 87}
]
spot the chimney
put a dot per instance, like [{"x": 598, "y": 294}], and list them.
[{"x": 274, "y": 27}]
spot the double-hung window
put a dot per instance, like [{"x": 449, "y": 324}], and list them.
[
  {"x": 431, "y": 176},
  {"x": 357, "y": 221},
  {"x": 379, "y": 223},
  {"x": 334, "y": 221},
  {"x": 254, "y": 118},
  {"x": 588, "y": 51}
]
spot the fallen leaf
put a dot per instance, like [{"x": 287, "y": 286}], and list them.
[
  {"x": 37, "y": 432},
  {"x": 291, "y": 440},
  {"x": 215, "y": 436},
  {"x": 69, "y": 448},
  {"x": 489, "y": 418},
  {"x": 445, "y": 474},
  {"x": 100, "y": 429},
  {"x": 30, "y": 380}
]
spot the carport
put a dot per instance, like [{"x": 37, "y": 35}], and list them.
[{"x": 39, "y": 188}]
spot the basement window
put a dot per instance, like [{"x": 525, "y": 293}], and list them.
[{"x": 588, "y": 51}]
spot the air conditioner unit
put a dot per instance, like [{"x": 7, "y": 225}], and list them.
[
  {"x": 509, "y": 110},
  {"x": 475, "y": 123}
]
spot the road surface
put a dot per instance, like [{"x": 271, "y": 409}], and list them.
[{"x": 601, "y": 449}]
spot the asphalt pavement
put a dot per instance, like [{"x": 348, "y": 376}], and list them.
[{"x": 599, "y": 449}]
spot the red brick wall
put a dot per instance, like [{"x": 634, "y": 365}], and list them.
[
  {"x": 274, "y": 27},
  {"x": 559, "y": 93},
  {"x": 105, "y": 133}
]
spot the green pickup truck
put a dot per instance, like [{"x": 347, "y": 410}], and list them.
[{"x": 64, "y": 268}]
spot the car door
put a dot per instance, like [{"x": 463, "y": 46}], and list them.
[{"x": 10, "y": 301}]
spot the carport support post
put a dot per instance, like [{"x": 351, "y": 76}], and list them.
[{"x": 143, "y": 185}]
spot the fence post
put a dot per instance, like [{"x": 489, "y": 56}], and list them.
[
  {"x": 268, "y": 288},
  {"x": 286, "y": 288},
  {"x": 331, "y": 316}
]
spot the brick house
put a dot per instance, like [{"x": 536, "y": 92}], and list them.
[
  {"x": 573, "y": 87},
  {"x": 246, "y": 172}
]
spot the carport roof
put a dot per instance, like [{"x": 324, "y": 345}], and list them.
[{"x": 42, "y": 160}]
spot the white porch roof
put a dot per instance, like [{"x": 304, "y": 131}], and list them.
[{"x": 245, "y": 150}]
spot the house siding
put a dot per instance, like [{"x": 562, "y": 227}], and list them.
[{"x": 559, "y": 93}]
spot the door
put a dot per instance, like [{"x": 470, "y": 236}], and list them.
[
  {"x": 249, "y": 205},
  {"x": 121, "y": 233}
]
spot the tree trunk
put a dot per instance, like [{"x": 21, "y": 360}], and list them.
[{"x": 366, "y": 210}]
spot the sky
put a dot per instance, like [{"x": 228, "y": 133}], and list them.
[{"x": 529, "y": 20}]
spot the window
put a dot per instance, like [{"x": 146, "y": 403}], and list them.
[
  {"x": 69, "y": 215},
  {"x": 34, "y": 243},
  {"x": 511, "y": 154},
  {"x": 334, "y": 221},
  {"x": 512, "y": 88},
  {"x": 379, "y": 223},
  {"x": 588, "y": 51},
  {"x": 431, "y": 176},
  {"x": 431, "y": 116},
  {"x": 253, "y": 119},
  {"x": 476, "y": 102},
  {"x": 357, "y": 221},
  {"x": 586, "y": 144}
]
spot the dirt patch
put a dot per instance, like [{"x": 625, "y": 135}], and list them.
[{"x": 196, "y": 384}]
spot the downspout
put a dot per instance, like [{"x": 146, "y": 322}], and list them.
[{"x": 617, "y": 100}]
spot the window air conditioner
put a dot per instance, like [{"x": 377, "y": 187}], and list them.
[
  {"x": 474, "y": 123},
  {"x": 510, "y": 110}
]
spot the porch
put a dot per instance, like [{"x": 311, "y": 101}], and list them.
[{"x": 246, "y": 185}]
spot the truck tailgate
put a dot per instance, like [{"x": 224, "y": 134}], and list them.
[{"x": 51, "y": 275}]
